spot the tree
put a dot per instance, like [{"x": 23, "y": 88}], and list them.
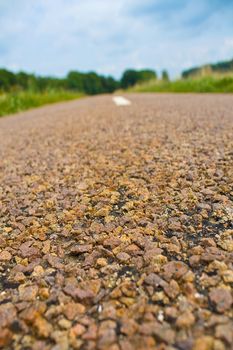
[
  {"x": 109, "y": 84},
  {"x": 89, "y": 83},
  {"x": 165, "y": 75},
  {"x": 131, "y": 77},
  {"x": 146, "y": 75},
  {"x": 22, "y": 80},
  {"x": 75, "y": 81},
  {"x": 7, "y": 80},
  {"x": 92, "y": 84}
]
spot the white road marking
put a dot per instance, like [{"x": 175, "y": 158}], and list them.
[{"x": 121, "y": 101}]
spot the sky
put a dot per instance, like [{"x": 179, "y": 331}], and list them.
[{"x": 52, "y": 37}]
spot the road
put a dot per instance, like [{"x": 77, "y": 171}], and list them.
[{"x": 116, "y": 224}]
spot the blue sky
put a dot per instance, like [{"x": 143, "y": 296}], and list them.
[{"x": 54, "y": 36}]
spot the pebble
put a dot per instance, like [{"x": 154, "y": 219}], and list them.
[
  {"x": 204, "y": 343},
  {"x": 123, "y": 257},
  {"x": 43, "y": 328},
  {"x": 116, "y": 225},
  {"x": 185, "y": 320},
  {"x": 65, "y": 324},
  {"x": 5, "y": 338},
  {"x": 222, "y": 299},
  {"x": 5, "y": 255},
  {"x": 72, "y": 310},
  {"x": 28, "y": 293}
]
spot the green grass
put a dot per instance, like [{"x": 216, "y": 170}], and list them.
[
  {"x": 205, "y": 84},
  {"x": 14, "y": 102}
]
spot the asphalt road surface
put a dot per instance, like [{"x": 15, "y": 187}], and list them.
[{"x": 116, "y": 224}]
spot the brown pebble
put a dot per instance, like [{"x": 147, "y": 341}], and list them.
[
  {"x": 5, "y": 256},
  {"x": 221, "y": 298},
  {"x": 123, "y": 257}
]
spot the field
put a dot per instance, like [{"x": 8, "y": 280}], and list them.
[
  {"x": 14, "y": 102},
  {"x": 211, "y": 84}
]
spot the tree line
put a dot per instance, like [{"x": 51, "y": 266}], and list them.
[
  {"x": 220, "y": 67},
  {"x": 88, "y": 83}
]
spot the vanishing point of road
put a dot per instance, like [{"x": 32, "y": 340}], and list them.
[{"x": 116, "y": 224}]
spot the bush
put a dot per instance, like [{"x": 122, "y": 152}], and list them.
[
  {"x": 207, "y": 84},
  {"x": 165, "y": 75},
  {"x": 132, "y": 77},
  {"x": 20, "y": 101},
  {"x": 7, "y": 80},
  {"x": 90, "y": 83}
]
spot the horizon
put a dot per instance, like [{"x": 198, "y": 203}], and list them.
[
  {"x": 106, "y": 75},
  {"x": 36, "y": 39}
]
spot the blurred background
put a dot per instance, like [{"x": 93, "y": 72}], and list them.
[{"x": 99, "y": 46}]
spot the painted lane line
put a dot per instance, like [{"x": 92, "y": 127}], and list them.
[{"x": 121, "y": 101}]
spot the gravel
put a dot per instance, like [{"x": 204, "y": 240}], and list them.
[{"x": 116, "y": 225}]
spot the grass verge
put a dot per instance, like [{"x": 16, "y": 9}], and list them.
[
  {"x": 14, "y": 102},
  {"x": 206, "y": 84}
]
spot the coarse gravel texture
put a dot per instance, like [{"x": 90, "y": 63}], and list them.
[{"x": 116, "y": 225}]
